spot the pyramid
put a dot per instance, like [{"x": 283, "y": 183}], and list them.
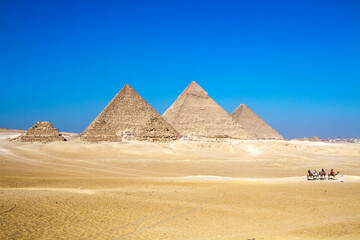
[
  {"x": 315, "y": 139},
  {"x": 194, "y": 113},
  {"x": 253, "y": 124},
  {"x": 129, "y": 116},
  {"x": 41, "y": 132}
]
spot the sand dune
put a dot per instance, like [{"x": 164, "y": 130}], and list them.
[{"x": 179, "y": 190}]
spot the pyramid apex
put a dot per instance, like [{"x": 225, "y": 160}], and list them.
[
  {"x": 127, "y": 88},
  {"x": 243, "y": 105},
  {"x": 195, "y": 89},
  {"x": 240, "y": 108},
  {"x": 194, "y": 84}
]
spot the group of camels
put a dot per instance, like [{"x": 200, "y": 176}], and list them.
[{"x": 321, "y": 175}]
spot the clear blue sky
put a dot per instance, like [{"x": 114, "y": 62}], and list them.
[{"x": 295, "y": 63}]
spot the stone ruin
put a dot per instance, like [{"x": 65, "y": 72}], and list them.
[
  {"x": 41, "y": 132},
  {"x": 129, "y": 117}
]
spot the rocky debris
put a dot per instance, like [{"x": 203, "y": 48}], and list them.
[
  {"x": 70, "y": 136},
  {"x": 129, "y": 117},
  {"x": 194, "y": 113},
  {"x": 254, "y": 124},
  {"x": 41, "y": 132},
  {"x": 10, "y": 134}
]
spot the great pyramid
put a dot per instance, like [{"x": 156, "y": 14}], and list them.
[
  {"x": 253, "y": 124},
  {"x": 194, "y": 113},
  {"x": 129, "y": 116},
  {"x": 41, "y": 132}
]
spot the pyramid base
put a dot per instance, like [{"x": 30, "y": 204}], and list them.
[
  {"x": 109, "y": 138},
  {"x": 43, "y": 139}
]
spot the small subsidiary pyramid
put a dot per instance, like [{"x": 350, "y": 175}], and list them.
[
  {"x": 129, "y": 116},
  {"x": 194, "y": 113},
  {"x": 253, "y": 124},
  {"x": 315, "y": 139},
  {"x": 42, "y": 132}
]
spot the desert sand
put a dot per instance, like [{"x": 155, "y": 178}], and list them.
[{"x": 177, "y": 190}]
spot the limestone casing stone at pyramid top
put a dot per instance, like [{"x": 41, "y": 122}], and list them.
[
  {"x": 129, "y": 117},
  {"x": 253, "y": 124},
  {"x": 194, "y": 113},
  {"x": 41, "y": 132}
]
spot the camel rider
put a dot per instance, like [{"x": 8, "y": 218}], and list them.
[
  {"x": 309, "y": 173},
  {"x": 322, "y": 170},
  {"x": 332, "y": 173},
  {"x": 315, "y": 173}
]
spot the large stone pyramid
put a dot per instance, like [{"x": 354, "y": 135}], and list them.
[
  {"x": 253, "y": 124},
  {"x": 41, "y": 132},
  {"x": 129, "y": 116},
  {"x": 194, "y": 113}
]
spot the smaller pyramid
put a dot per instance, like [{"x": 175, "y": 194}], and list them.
[
  {"x": 253, "y": 124},
  {"x": 129, "y": 117},
  {"x": 42, "y": 132},
  {"x": 315, "y": 139},
  {"x": 194, "y": 113}
]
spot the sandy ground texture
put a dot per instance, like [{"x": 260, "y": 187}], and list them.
[{"x": 179, "y": 190}]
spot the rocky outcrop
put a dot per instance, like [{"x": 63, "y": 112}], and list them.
[{"x": 41, "y": 132}]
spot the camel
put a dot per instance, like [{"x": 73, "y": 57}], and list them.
[
  {"x": 310, "y": 175},
  {"x": 316, "y": 176},
  {"x": 322, "y": 175},
  {"x": 332, "y": 174}
]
